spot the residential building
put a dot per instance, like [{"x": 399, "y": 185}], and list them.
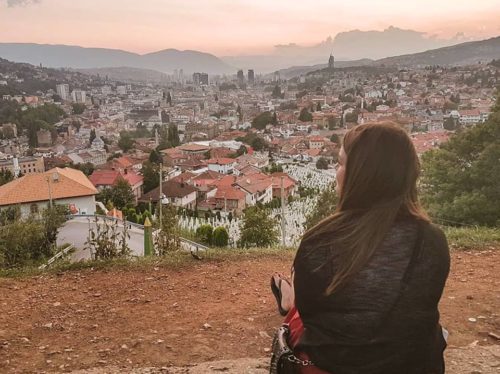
[
  {"x": 79, "y": 96},
  {"x": 23, "y": 165},
  {"x": 251, "y": 76},
  {"x": 180, "y": 194},
  {"x": 63, "y": 91},
  {"x": 35, "y": 192},
  {"x": 222, "y": 165},
  {"x": 258, "y": 188},
  {"x": 108, "y": 178}
]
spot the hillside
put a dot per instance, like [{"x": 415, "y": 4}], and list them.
[
  {"x": 85, "y": 58},
  {"x": 126, "y": 74},
  {"x": 23, "y": 78},
  {"x": 460, "y": 54},
  {"x": 186, "y": 313}
]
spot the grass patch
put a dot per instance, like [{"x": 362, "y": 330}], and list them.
[
  {"x": 473, "y": 237},
  {"x": 462, "y": 238},
  {"x": 174, "y": 260}
]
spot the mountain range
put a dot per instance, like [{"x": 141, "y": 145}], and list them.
[
  {"x": 65, "y": 56},
  {"x": 304, "y": 59},
  {"x": 460, "y": 54}
]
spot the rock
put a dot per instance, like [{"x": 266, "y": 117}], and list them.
[
  {"x": 267, "y": 350},
  {"x": 494, "y": 336},
  {"x": 98, "y": 294},
  {"x": 264, "y": 334},
  {"x": 472, "y": 319},
  {"x": 57, "y": 304},
  {"x": 124, "y": 346},
  {"x": 207, "y": 326},
  {"x": 48, "y": 325}
]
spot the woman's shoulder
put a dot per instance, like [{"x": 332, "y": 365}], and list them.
[{"x": 434, "y": 235}]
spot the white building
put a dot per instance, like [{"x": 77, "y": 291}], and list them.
[
  {"x": 79, "y": 96},
  {"x": 222, "y": 165},
  {"x": 67, "y": 187},
  {"x": 63, "y": 91}
]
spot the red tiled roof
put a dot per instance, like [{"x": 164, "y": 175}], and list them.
[
  {"x": 35, "y": 187},
  {"x": 104, "y": 177},
  {"x": 230, "y": 193},
  {"x": 193, "y": 148},
  {"x": 221, "y": 161}
]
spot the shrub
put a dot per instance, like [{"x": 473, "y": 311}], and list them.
[
  {"x": 204, "y": 234},
  {"x": 220, "y": 237}
]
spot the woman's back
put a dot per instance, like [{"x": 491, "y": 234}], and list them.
[{"x": 373, "y": 325}]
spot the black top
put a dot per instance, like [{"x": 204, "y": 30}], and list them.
[{"x": 375, "y": 324}]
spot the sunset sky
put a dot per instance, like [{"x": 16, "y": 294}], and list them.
[{"x": 229, "y": 27}]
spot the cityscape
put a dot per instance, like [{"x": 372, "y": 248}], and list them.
[{"x": 203, "y": 173}]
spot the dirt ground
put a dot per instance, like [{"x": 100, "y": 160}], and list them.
[{"x": 208, "y": 311}]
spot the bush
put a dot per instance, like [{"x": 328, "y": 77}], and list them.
[
  {"x": 204, "y": 234},
  {"x": 29, "y": 241},
  {"x": 220, "y": 237}
]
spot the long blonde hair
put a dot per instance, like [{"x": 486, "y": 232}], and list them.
[{"x": 380, "y": 184}]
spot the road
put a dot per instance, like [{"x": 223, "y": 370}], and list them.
[{"x": 76, "y": 232}]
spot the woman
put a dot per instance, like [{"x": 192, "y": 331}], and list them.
[{"x": 368, "y": 279}]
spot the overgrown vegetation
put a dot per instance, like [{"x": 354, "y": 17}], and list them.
[
  {"x": 31, "y": 240},
  {"x": 167, "y": 238},
  {"x": 107, "y": 240},
  {"x": 461, "y": 179}
]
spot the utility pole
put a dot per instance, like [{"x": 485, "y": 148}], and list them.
[
  {"x": 50, "y": 192},
  {"x": 161, "y": 195},
  {"x": 283, "y": 223}
]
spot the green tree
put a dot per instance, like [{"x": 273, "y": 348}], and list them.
[
  {"x": 305, "y": 116},
  {"x": 122, "y": 194},
  {"x": 6, "y": 176},
  {"x": 325, "y": 206},
  {"x": 151, "y": 175},
  {"x": 322, "y": 163},
  {"x": 258, "y": 228},
  {"x": 220, "y": 237},
  {"x": 276, "y": 94},
  {"x": 335, "y": 138},
  {"x": 126, "y": 143},
  {"x": 460, "y": 179},
  {"x": 78, "y": 108},
  {"x": 242, "y": 150},
  {"x": 274, "y": 120},
  {"x": 262, "y": 120},
  {"x": 450, "y": 123},
  {"x": 92, "y": 136},
  {"x": 155, "y": 157},
  {"x": 240, "y": 113},
  {"x": 259, "y": 144}
]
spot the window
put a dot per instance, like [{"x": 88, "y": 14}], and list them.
[{"x": 34, "y": 208}]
